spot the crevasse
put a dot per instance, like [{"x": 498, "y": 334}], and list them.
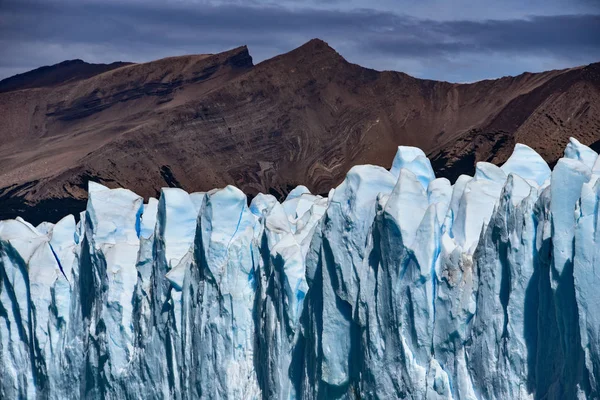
[{"x": 397, "y": 285}]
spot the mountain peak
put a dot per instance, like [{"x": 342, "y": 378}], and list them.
[
  {"x": 315, "y": 51},
  {"x": 239, "y": 57},
  {"x": 68, "y": 62},
  {"x": 317, "y": 45},
  {"x": 316, "y": 42}
]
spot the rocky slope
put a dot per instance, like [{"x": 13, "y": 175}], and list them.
[
  {"x": 308, "y": 116},
  {"x": 397, "y": 285}
]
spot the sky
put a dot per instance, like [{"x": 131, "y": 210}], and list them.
[{"x": 457, "y": 41}]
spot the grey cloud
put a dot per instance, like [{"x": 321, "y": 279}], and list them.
[
  {"x": 142, "y": 31},
  {"x": 558, "y": 34}
]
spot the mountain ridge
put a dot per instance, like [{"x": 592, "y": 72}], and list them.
[
  {"x": 56, "y": 74},
  {"x": 306, "y": 116}
]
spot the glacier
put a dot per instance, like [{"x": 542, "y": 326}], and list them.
[{"x": 397, "y": 284}]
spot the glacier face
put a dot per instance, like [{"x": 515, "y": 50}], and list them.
[{"x": 397, "y": 285}]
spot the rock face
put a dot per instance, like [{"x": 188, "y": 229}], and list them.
[
  {"x": 396, "y": 285},
  {"x": 305, "y": 117}
]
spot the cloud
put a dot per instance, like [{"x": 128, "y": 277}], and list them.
[
  {"x": 556, "y": 34},
  {"x": 35, "y": 32}
]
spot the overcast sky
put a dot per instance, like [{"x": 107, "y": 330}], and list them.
[{"x": 459, "y": 41}]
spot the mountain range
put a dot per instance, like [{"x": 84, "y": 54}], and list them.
[{"x": 203, "y": 121}]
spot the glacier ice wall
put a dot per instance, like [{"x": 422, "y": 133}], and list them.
[{"x": 397, "y": 285}]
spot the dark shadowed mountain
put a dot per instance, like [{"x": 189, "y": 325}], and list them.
[
  {"x": 308, "y": 116},
  {"x": 54, "y": 75}
]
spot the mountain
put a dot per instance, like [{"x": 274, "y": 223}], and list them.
[
  {"x": 204, "y": 121},
  {"x": 55, "y": 75},
  {"x": 543, "y": 118},
  {"x": 397, "y": 285}
]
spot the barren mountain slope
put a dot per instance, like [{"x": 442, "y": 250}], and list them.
[
  {"x": 568, "y": 105},
  {"x": 303, "y": 117}
]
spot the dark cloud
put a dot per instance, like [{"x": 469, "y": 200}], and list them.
[
  {"x": 35, "y": 32},
  {"x": 562, "y": 35}
]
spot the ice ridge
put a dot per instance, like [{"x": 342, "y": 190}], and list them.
[{"x": 397, "y": 285}]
